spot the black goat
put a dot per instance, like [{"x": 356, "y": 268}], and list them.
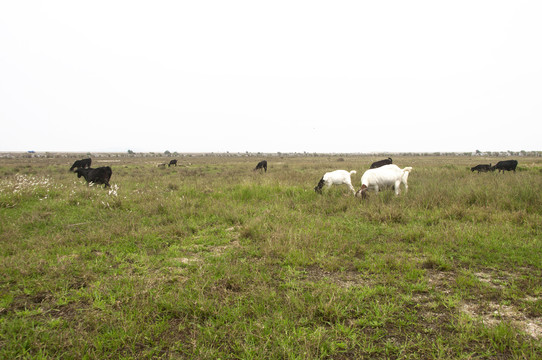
[
  {"x": 508, "y": 165},
  {"x": 172, "y": 162},
  {"x": 481, "y": 168},
  {"x": 81, "y": 164},
  {"x": 99, "y": 175},
  {"x": 261, "y": 165},
  {"x": 380, "y": 163}
]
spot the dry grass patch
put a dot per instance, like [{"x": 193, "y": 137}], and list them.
[{"x": 343, "y": 279}]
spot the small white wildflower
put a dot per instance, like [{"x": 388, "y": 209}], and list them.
[{"x": 113, "y": 190}]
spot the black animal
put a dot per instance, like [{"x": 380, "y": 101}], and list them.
[
  {"x": 81, "y": 164},
  {"x": 172, "y": 162},
  {"x": 261, "y": 165},
  {"x": 100, "y": 175},
  {"x": 481, "y": 168},
  {"x": 380, "y": 163},
  {"x": 508, "y": 165},
  {"x": 318, "y": 188}
]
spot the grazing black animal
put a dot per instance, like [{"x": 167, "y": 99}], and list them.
[
  {"x": 481, "y": 168},
  {"x": 261, "y": 165},
  {"x": 318, "y": 188},
  {"x": 81, "y": 164},
  {"x": 172, "y": 162},
  {"x": 508, "y": 165},
  {"x": 100, "y": 175},
  {"x": 380, "y": 163}
]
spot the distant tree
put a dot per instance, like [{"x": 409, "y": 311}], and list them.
[
  {"x": 130, "y": 152},
  {"x": 167, "y": 153}
]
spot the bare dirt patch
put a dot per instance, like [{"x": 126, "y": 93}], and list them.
[
  {"x": 493, "y": 280},
  {"x": 441, "y": 280},
  {"x": 489, "y": 312},
  {"x": 492, "y": 314}
]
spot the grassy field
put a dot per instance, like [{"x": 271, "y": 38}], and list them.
[{"x": 210, "y": 260}]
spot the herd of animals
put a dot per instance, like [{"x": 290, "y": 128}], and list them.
[
  {"x": 384, "y": 174},
  {"x": 381, "y": 175},
  {"x": 100, "y": 175},
  {"x": 507, "y": 165}
]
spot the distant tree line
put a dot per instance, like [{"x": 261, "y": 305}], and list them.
[{"x": 168, "y": 153}]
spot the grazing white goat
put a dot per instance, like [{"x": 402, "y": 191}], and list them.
[
  {"x": 337, "y": 177},
  {"x": 384, "y": 177}
]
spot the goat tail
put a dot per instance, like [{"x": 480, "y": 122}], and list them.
[
  {"x": 352, "y": 172},
  {"x": 406, "y": 171}
]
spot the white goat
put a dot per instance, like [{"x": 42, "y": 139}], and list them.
[
  {"x": 384, "y": 177},
  {"x": 337, "y": 177}
]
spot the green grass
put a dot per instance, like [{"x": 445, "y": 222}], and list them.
[{"x": 211, "y": 260}]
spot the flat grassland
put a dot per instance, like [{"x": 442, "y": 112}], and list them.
[{"x": 212, "y": 260}]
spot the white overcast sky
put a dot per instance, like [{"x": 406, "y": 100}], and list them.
[{"x": 271, "y": 76}]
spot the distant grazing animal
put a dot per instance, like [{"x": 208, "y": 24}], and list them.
[
  {"x": 172, "y": 162},
  {"x": 337, "y": 177},
  {"x": 380, "y": 163},
  {"x": 100, "y": 175},
  {"x": 261, "y": 165},
  {"x": 481, "y": 168},
  {"x": 81, "y": 164},
  {"x": 387, "y": 176},
  {"x": 508, "y": 165}
]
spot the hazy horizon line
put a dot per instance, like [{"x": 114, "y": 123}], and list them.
[{"x": 167, "y": 153}]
